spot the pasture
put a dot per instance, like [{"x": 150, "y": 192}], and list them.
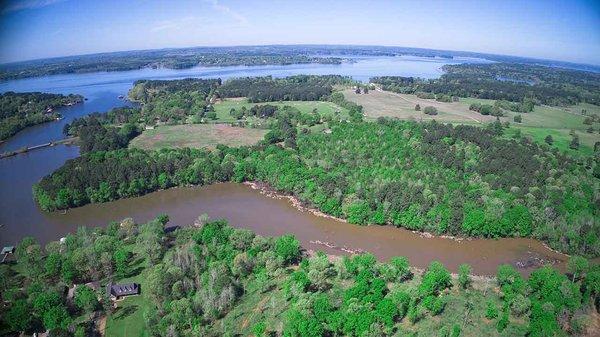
[{"x": 196, "y": 136}]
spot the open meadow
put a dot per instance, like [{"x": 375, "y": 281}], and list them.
[
  {"x": 388, "y": 104},
  {"x": 544, "y": 120},
  {"x": 196, "y": 136}
]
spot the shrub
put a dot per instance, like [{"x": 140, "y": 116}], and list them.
[
  {"x": 287, "y": 247},
  {"x": 464, "y": 280},
  {"x": 518, "y": 119},
  {"x": 429, "y": 110},
  {"x": 491, "y": 310}
]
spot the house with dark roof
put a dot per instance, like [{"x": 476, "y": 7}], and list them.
[{"x": 119, "y": 291}]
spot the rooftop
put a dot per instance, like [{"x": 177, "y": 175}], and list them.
[{"x": 124, "y": 289}]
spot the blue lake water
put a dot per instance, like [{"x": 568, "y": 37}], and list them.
[{"x": 19, "y": 215}]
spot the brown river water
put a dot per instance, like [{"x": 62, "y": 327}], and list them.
[{"x": 244, "y": 207}]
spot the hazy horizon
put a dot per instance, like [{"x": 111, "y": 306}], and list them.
[
  {"x": 549, "y": 30},
  {"x": 291, "y": 45}
]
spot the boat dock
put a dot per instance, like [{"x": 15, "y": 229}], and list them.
[{"x": 35, "y": 147}]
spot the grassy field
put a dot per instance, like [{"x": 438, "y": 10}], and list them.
[
  {"x": 196, "y": 136},
  {"x": 544, "y": 120},
  {"x": 128, "y": 318},
  {"x": 387, "y": 104},
  {"x": 222, "y": 108},
  {"x": 561, "y": 137}
]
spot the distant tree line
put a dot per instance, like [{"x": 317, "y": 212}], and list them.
[
  {"x": 522, "y": 84},
  {"x": 153, "y": 59}
]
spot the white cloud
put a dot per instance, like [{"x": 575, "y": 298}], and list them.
[
  {"x": 191, "y": 23},
  {"x": 217, "y": 6},
  {"x": 177, "y": 24},
  {"x": 19, "y": 5}
]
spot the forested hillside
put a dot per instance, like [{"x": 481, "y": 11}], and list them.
[
  {"x": 216, "y": 280},
  {"x": 459, "y": 180},
  {"x": 20, "y": 110}
]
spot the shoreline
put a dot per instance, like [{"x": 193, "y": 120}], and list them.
[{"x": 268, "y": 191}]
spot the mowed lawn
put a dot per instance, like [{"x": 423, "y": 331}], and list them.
[
  {"x": 127, "y": 320},
  {"x": 222, "y": 108},
  {"x": 196, "y": 136}
]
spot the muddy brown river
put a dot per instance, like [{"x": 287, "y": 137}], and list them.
[{"x": 248, "y": 208}]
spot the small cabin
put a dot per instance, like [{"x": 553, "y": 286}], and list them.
[{"x": 119, "y": 291}]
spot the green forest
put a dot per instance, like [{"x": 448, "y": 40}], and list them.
[
  {"x": 20, "y": 110},
  {"x": 459, "y": 180},
  {"x": 212, "y": 280}
]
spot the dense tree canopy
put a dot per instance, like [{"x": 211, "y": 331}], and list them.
[
  {"x": 293, "y": 88},
  {"x": 20, "y": 110}
]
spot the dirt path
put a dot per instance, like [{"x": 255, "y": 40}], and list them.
[{"x": 101, "y": 325}]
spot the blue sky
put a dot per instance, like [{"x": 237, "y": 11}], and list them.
[{"x": 560, "y": 30}]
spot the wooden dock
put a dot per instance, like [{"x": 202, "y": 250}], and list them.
[{"x": 35, "y": 147}]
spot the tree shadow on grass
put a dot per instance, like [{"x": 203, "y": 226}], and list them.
[
  {"x": 131, "y": 272},
  {"x": 134, "y": 268},
  {"x": 124, "y": 312}
]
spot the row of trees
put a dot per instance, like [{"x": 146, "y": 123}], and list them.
[
  {"x": 20, "y": 110},
  {"x": 203, "y": 280},
  {"x": 293, "y": 88}
]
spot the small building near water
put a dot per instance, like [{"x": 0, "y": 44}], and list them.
[
  {"x": 6, "y": 252},
  {"x": 119, "y": 291}
]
